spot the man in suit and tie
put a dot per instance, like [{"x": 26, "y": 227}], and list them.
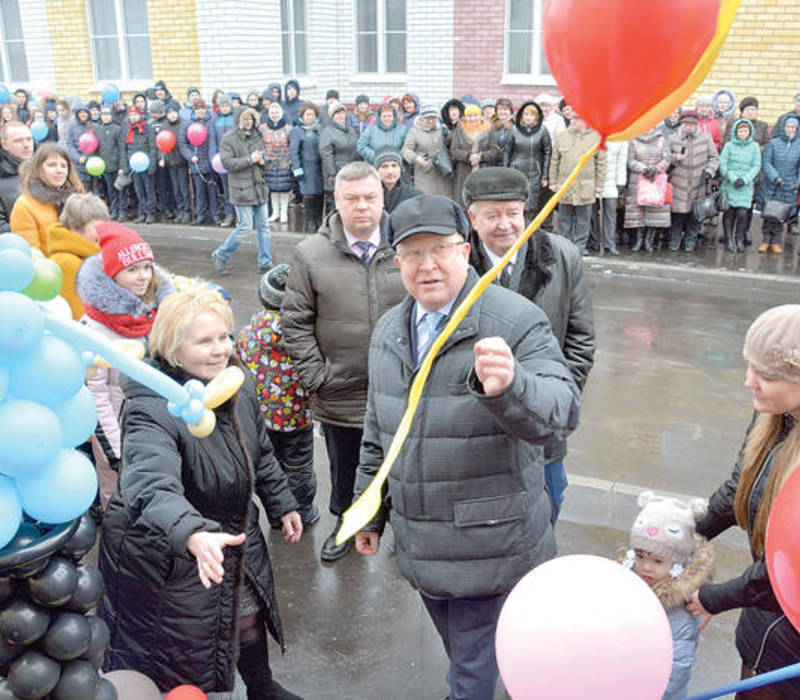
[{"x": 548, "y": 270}]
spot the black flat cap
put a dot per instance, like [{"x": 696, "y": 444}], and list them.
[
  {"x": 495, "y": 183},
  {"x": 426, "y": 213}
]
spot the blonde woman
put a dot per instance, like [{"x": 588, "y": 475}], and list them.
[{"x": 765, "y": 638}]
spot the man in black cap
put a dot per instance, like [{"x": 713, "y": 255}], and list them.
[
  {"x": 548, "y": 270},
  {"x": 468, "y": 506},
  {"x": 389, "y": 164}
]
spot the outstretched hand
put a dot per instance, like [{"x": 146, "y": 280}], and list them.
[{"x": 207, "y": 548}]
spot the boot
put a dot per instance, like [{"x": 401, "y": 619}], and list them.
[
  {"x": 283, "y": 203},
  {"x": 730, "y": 245},
  {"x": 637, "y": 246},
  {"x": 253, "y": 665},
  {"x": 274, "y": 198},
  {"x": 332, "y": 551},
  {"x": 739, "y": 243},
  {"x": 650, "y": 234}
]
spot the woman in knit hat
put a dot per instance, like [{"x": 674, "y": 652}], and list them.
[
  {"x": 781, "y": 166},
  {"x": 765, "y": 638},
  {"x": 361, "y": 116},
  {"x": 424, "y": 140},
  {"x": 121, "y": 289}
]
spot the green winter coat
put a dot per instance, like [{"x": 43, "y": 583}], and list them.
[{"x": 740, "y": 159}]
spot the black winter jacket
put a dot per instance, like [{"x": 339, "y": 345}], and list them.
[
  {"x": 553, "y": 278},
  {"x": 163, "y": 622},
  {"x": 528, "y": 150},
  {"x": 142, "y": 141},
  {"x": 399, "y": 193},
  {"x": 110, "y": 146},
  {"x": 9, "y": 187},
  {"x": 174, "y": 157},
  {"x": 337, "y": 148},
  {"x": 765, "y": 638}
]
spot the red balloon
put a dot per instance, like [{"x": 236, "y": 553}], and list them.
[
  {"x": 165, "y": 141},
  {"x": 196, "y": 134},
  {"x": 88, "y": 143},
  {"x": 186, "y": 692},
  {"x": 783, "y": 548},
  {"x": 615, "y": 60}
]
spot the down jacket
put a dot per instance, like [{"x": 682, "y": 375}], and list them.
[
  {"x": 331, "y": 304},
  {"x": 468, "y": 506},
  {"x": 765, "y": 638},
  {"x": 306, "y": 161},
  {"x": 205, "y": 151},
  {"x": 377, "y": 135},
  {"x": 163, "y": 622},
  {"x": 276, "y": 154},
  {"x": 10, "y": 187},
  {"x": 687, "y": 175},
  {"x": 740, "y": 159},
  {"x": 245, "y": 178},
  {"x": 426, "y": 142},
  {"x": 529, "y": 150},
  {"x": 648, "y": 150},
  {"x": 782, "y": 160},
  {"x": 553, "y": 278},
  {"x": 110, "y": 146},
  {"x": 337, "y": 148}
]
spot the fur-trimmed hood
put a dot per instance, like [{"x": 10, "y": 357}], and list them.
[
  {"x": 676, "y": 592},
  {"x": 96, "y": 288}
]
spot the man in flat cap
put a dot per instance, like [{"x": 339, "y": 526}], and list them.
[
  {"x": 466, "y": 494},
  {"x": 548, "y": 270}
]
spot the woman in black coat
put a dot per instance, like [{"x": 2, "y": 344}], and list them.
[
  {"x": 528, "y": 149},
  {"x": 337, "y": 148},
  {"x": 188, "y": 579},
  {"x": 765, "y": 638}
]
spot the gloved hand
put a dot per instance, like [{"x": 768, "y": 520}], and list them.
[
  {"x": 739, "y": 183},
  {"x": 778, "y": 182},
  {"x": 650, "y": 173},
  {"x": 706, "y": 177}
]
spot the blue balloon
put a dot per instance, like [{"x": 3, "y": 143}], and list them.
[
  {"x": 139, "y": 161},
  {"x": 109, "y": 93},
  {"x": 193, "y": 411},
  {"x": 10, "y": 511},
  {"x": 195, "y": 388},
  {"x": 62, "y": 491},
  {"x": 17, "y": 242},
  {"x": 5, "y": 94},
  {"x": 21, "y": 324},
  {"x": 16, "y": 270},
  {"x": 3, "y": 383},
  {"x": 78, "y": 418},
  {"x": 30, "y": 436},
  {"x": 50, "y": 374},
  {"x": 39, "y": 130}
]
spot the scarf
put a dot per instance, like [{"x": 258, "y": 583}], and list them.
[
  {"x": 44, "y": 193},
  {"x": 139, "y": 125},
  {"x": 274, "y": 126},
  {"x": 123, "y": 324}
]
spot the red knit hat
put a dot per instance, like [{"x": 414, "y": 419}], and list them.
[{"x": 121, "y": 247}]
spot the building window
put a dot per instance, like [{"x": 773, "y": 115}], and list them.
[
  {"x": 294, "y": 36},
  {"x": 381, "y": 36},
  {"x": 120, "y": 37},
  {"x": 13, "y": 62},
  {"x": 524, "y": 44}
]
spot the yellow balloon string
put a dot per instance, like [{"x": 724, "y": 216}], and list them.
[{"x": 363, "y": 510}]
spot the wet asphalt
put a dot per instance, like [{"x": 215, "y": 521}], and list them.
[{"x": 664, "y": 408}]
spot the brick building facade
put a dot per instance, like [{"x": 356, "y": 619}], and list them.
[{"x": 488, "y": 48}]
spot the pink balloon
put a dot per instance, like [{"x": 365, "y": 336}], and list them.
[
  {"x": 580, "y": 627},
  {"x": 88, "y": 143},
  {"x": 196, "y": 134},
  {"x": 216, "y": 163}
]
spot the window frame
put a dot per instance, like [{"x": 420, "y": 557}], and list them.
[
  {"x": 290, "y": 35},
  {"x": 4, "y": 57},
  {"x": 381, "y": 74},
  {"x": 124, "y": 82},
  {"x": 536, "y": 76}
]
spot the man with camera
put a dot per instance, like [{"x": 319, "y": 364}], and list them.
[{"x": 242, "y": 156}]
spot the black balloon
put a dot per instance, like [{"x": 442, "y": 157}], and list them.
[
  {"x": 55, "y": 584},
  {"x": 33, "y": 675},
  {"x": 100, "y": 636},
  {"x": 83, "y": 539},
  {"x": 79, "y": 681},
  {"x": 68, "y": 637},
  {"x": 26, "y": 534},
  {"x": 23, "y": 622},
  {"x": 105, "y": 691},
  {"x": 8, "y": 587},
  {"x": 5, "y": 691},
  {"x": 89, "y": 590},
  {"x": 8, "y": 652}
]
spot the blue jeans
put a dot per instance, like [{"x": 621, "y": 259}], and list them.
[
  {"x": 555, "y": 479},
  {"x": 467, "y": 628},
  {"x": 143, "y": 184},
  {"x": 245, "y": 216},
  {"x": 582, "y": 215}
]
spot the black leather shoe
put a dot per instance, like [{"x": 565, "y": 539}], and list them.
[{"x": 332, "y": 551}]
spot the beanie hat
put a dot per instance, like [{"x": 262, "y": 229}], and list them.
[
  {"x": 332, "y": 95},
  {"x": 772, "y": 343},
  {"x": 121, "y": 247},
  {"x": 336, "y": 107},
  {"x": 429, "y": 111},
  {"x": 362, "y": 98},
  {"x": 387, "y": 153},
  {"x": 791, "y": 120},
  {"x": 688, "y": 115},
  {"x": 191, "y": 90},
  {"x": 156, "y": 107},
  {"x": 472, "y": 109},
  {"x": 106, "y": 110},
  {"x": 748, "y": 102},
  {"x": 93, "y": 104},
  {"x": 665, "y": 526},
  {"x": 273, "y": 285},
  {"x": 221, "y": 100},
  {"x": 488, "y": 103}
]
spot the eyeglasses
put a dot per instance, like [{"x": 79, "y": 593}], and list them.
[{"x": 440, "y": 252}]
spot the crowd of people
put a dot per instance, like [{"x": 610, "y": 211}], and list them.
[
  {"x": 409, "y": 206},
  {"x": 418, "y": 148}
]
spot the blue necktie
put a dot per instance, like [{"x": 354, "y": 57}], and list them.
[
  {"x": 364, "y": 247},
  {"x": 428, "y": 329}
]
